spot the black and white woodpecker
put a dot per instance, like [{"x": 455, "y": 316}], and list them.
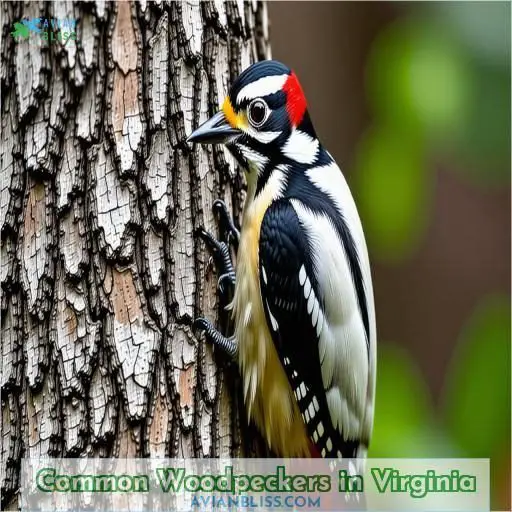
[{"x": 303, "y": 308}]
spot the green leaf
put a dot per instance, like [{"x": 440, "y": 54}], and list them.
[
  {"x": 393, "y": 189},
  {"x": 483, "y": 143},
  {"x": 477, "y": 399},
  {"x": 483, "y": 27},
  {"x": 419, "y": 80},
  {"x": 402, "y": 408}
]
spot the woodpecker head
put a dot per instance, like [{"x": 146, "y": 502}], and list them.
[{"x": 264, "y": 107}]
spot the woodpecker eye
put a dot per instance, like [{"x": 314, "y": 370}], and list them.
[{"x": 258, "y": 112}]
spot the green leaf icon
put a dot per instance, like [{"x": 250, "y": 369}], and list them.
[{"x": 20, "y": 31}]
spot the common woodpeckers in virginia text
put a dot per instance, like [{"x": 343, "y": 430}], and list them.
[{"x": 305, "y": 335}]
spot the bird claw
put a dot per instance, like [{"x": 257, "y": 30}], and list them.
[
  {"x": 221, "y": 256},
  {"x": 219, "y": 248},
  {"x": 201, "y": 324},
  {"x": 230, "y": 277},
  {"x": 226, "y": 222},
  {"x": 213, "y": 336},
  {"x": 208, "y": 239}
]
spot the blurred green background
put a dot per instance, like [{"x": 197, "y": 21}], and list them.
[{"x": 413, "y": 101}]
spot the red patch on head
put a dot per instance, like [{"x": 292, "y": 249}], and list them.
[{"x": 295, "y": 99}]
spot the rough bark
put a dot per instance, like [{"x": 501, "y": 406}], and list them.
[{"x": 100, "y": 195}]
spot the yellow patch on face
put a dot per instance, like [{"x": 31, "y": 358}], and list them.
[{"x": 239, "y": 120}]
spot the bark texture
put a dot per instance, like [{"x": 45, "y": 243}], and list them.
[{"x": 100, "y": 195}]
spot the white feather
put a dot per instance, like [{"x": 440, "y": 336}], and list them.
[
  {"x": 257, "y": 159},
  {"x": 301, "y": 147},
  {"x": 302, "y": 275},
  {"x": 311, "y": 301},
  {"x": 264, "y": 274},
  {"x": 307, "y": 288},
  {"x": 326, "y": 348},
  {"x": 314, "y": 315},
  {"x": 247, "y": 314},
  {"x": 311, "y": 409},
  {"x": 342, "y": 343},
  {"x": 330, "y": 180},
  {"x": 262, "y": 87},
  {"x": 273, "y": 321},
  {"x": 262, "y": 136},
  {"x": 320, "y": 322}
]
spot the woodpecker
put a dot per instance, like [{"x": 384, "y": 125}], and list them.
[{"x": 303, "y": 307}]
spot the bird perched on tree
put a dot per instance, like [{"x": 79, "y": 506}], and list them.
[{"x": 305, "y": 335}]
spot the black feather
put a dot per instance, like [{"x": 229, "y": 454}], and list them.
[{"x": 283, "y": 251}]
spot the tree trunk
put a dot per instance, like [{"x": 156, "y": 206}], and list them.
[{"x": 100, "y": 195}]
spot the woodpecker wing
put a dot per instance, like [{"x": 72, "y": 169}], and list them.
[{"x": 312, "y": 300}]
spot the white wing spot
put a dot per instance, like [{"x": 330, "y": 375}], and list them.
[
  {"x": 311, "y": 301},
  {"x": 311, "y": 410},
  {"x": 315, "y": 436},
  {"x": 320, "y": 429},
  {"x": 329, "y": 444},
  {"x": 323, "y": 452},
  {"x": 315, "y": 404},
  {"x": 320, "y": 323},
  {"x": 264, "y": 274},
  {"x": 316, "y": 308},
  {"x": 307, "y": 288},
  {"x": 273, "y": 321},
  {"x": 302, "y": 275},
  {"x": 303, "y": 389},
  {"x": 306, "y": 414}
]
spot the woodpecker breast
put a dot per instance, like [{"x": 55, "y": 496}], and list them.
[{"x": 269, "y": 399}]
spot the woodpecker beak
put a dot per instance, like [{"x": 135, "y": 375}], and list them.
[{"x": 216, "y": 130}]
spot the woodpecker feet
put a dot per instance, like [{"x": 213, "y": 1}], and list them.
[
  {"x": 220, "y": 248},
  {"x": 212, "y": 335},
  {"x": 222, "y": 258},
  {"x": 221, "y": 254},
  {"x": 228, "y": 230}
]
